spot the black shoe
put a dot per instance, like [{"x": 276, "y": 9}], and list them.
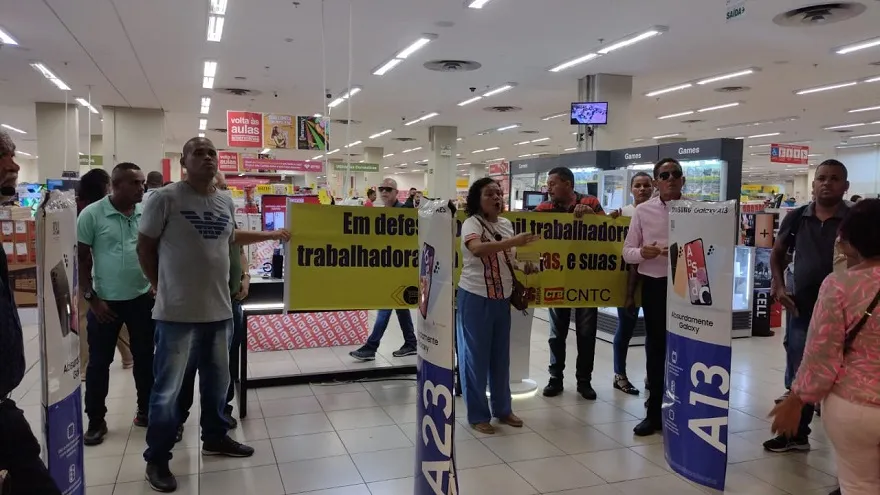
[
  {"x": 233, "y": 423},
  {"x": 226, "y": 447},
  {"x": 586, "y": 391},
  {"x": 553, "y": 388},
  {"x": 623, "y": 384},
  {"x": 647, "y": 427},
  {"x": 141, "y": 419},
  {"x": 363, "y": 354},
  {"x": 160, "y": 478},
  {"x": 406, "y": 350},
  {"x": 786, "y": 444},
  {"x": 96, "y": 432},
  {"x": 179, "y": 436},
  {"x": 835, "y": 492}
]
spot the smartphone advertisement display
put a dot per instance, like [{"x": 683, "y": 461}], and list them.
[
  {"x": 589, "y": 113},
  {"x": 435, "y": 464},
  {"x": 699, "y": 323},
  {"x": 59, "y": 340}
]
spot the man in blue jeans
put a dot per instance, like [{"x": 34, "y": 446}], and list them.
[
  {"x": 186, "y": 230},
  {"x": 388, "y": 194}
]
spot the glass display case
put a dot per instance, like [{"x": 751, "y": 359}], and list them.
[
  {"x": 705, "y": 179},
  {"x": 743, "y": 280},
  {"x": 586, "y": 180},
  {"x": 520, "y": 183}
]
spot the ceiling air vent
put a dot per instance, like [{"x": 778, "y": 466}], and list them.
[
  {"x": 218, "y": 129},
  {"x": 842, "y": 131},
  {"x": 452, "y": 65},
  {"x": 238, "y": 91},
  {"x": 732, "y": 89},
  {"x": 528, "y": 132},
  {"x": 502, "y": 109},
  {"x": 346, "y": 122},
  {"x": 692, "y": 121},
  {"x": 820, "y": 14},
  {"x": 403, "y": 139}
]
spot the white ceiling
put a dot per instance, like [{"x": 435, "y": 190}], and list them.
[{"x": 151, "y": 54}]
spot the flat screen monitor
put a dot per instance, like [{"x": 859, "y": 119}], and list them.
[
  {"x": 531, "y": 199},
  {"x": 589, "y": 113},
  {"x": 274, "y": 212}
]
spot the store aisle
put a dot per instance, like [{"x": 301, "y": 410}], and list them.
[{"x": 358, "y": 439}]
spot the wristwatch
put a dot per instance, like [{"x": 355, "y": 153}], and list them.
[{"x": 89, "y": 295}]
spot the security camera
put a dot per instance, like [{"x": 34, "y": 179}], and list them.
[
  {"x": 329, "y": 95},
  {"x": 473, "y": 90},
  {"x": 276, "y": 94}
]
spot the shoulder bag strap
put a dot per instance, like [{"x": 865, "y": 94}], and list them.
[
  {"x": 854, "y": 331},
  {"x": 492, "y": 233}
]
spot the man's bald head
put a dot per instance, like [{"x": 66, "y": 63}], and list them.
[{"x": 199, "y": 159}]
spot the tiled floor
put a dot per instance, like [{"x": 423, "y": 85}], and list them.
[{"x": 358, "y": 439}]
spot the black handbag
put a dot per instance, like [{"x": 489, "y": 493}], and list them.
[
  {"x": 519, "y": 297},
  {"x": 854, "y": 331}
]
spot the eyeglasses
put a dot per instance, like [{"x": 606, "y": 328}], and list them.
[
  {"x": 385, "y": 189},
  {"x": 675, "y": 174}
]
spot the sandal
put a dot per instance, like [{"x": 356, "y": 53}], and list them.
[
  {"x": 622, "y": 383},
  {"x": 512, "y": 420},
  {"x": 484, "y": 428}
]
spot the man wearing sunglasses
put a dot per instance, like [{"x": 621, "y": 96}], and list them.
[
  {"x": 647, "y": 245},
  {"x": 367, "y": 352}
]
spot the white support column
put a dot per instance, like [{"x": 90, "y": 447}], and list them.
[
  {"x": 442, "y": 162},
  {"x": 57, "y": 139},
  {"x": 373, "y": 155},
  {"x": 617, "y": 91},
  {"x": 135, "y": 135},
  {"x": 477, "y": 172}
]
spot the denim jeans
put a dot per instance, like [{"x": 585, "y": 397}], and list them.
[
  {"x": 796, "y": 337},
  {"x": 626, "y": 325},
  {"x": 136, "y": 314},
  {"x": 382, "y": 318},
  {"x": 182, "y": 348},
  {"x": 586, "y": 320}
]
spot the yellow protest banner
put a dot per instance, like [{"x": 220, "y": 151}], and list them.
[{"x": 368, "y": 258}]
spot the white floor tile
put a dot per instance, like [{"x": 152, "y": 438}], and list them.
[
  {"x": 301, "y": 424},
  {"x": 556, "y": 473},
  {"x": 314, "y": 446},
  {"x": 579, "y": 440},
  {"x": 263, "y": 480},
  {"x": 343, "y": 401},
  {"x": 288, "y": 407},
  {"x": 500, "y": 479},
  {"x": 351, "y": 419},
  {"x": 102, "y": 470},
  {"x": 619, "y": 465},
  {"x": 319, "y": 474},
  {"x": 473, "y": 453},
  {"x": 521, "y": 447},
  {"x": 402, "y": 486},
  {"x": 374, "y": 439},
  {"x": 385, "y": 465}
]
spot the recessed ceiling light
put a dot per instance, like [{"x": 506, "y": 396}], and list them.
[
  {"x": 631, "y": 40},
  {"x": 861, "y": 45},
  {"x": 724, "y": 77},
  {"x": 209, "y": 74},
  {"x": 570, "y": 149},
  {"x": 422, "y": 118},
  {"x": 416, "y": 46},
  {"x": 215, "y": 27},
  {"x": 664, "y": 136},
  {"x": 863, "y": 136},
  {"x": 218, "y": 7},
  {"x": 206, "y": 105},
  {"x": 669, "y": 90},
  {"x": 380, "y": 134},
  {"x": 864, "y": 109},
  {"x": 825, "y": 88},
  {"x": 322, "y": 156},
  {"x": 493, "y": 148},
  {"x": 470, "y": 100},
  {"x": 539, "y": 140},
  {"x": 347, "y": 95},
  {"x": 844, "y": 126},
  {"x": 759, "y": 146},
  {"x": 507, "y": 127},
  {"x": 387, "y": 66},
  {"x": 496, "y": 159},
  {"x": 13, "y": 129},
  {"x": 411, "y": 150},
  {"x": 769, "y": 134},
  {"x": 521, "y": 143},
  {"x": 84, "y": 102},
  {"x": 203, "y": 124},
  {"x": 202, "y": 134},
  {"x": 265, "y": 151},
  {"x": 6, "y": 38},
  {"x": 498, "y": 90},
  {"x": 476, "y": 4},
  {"x": 872, "y": 79},
  {"x": 866, "y": 145},
  {"x": 459, "y": 139},
  {"x": 672, "y": 116},
  {"x": 572, "y": 63},
  {"x": 48, "y": 74},
  {"x": 719, "y": 107},
  {"x": 334, "y": 151},
  {"x": 555, "y": 116},
  {"x": 477, "y": 151},
  {"x": 22, "y": 153},
  {"x": 353, "y": 144}
]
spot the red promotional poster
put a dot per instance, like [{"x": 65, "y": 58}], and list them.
[
  {"x": 227, "y": 161},
  {"x": 790, "y": 154},
  {"x": 241, "y": 182},
  {"x": 244, "y": 129},
  {"x": 499, "y": 168},
  {"x": 251, "y": 163}
]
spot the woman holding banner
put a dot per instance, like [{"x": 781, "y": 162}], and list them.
[{"x": 483, "y": 317}]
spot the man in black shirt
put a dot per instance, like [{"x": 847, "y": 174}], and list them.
[{"x": 19, "y": 449}]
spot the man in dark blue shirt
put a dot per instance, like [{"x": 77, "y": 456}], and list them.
[{"x": 21, "y": 470}]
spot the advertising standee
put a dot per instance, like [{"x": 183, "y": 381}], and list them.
[
  {"x": 59, "y": 340},
  {"x": 435, "y": 465},
  {"x": 699, "y": 321}
]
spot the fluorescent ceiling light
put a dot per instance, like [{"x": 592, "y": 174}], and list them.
[
  {"x": 769, "y": 134},
  {"x": 389, "y": 154},
  {"x": 6, "y": 38},
  {"x": 631, "y": 40},
  {"x": 203, "y": 124},
  {"x": 335, "y": 103},
  {"x": 866, "y": 145},
  {"x": 724, "y": 77},
  {"x": 322, "y": 156},
  {"x": 334, "y": 151},
  {"x": 669, "y": 90},
  {"x": 572, "y": 63},
  {"x": 570, "y": 149},
  {"x": 353, "y": 144},
  {"x": 215, "y": 27},
  {"x": 864, "y": 109},
  {"x": 411, "y": 150},
  {"x": 539, "y": 140},
  {"x": 858, "y": 46},
  {"x": 202, "y": 134},
  {"x": 265, "y": 151},
  {"x": 416, "y": 46},
  {"x": 206, "y": 105},
  {"x": 758, "y": 123},
  {"x": 499, "y": 90},
  {"x": 48, "y": 74},
  {"x": 477, "y": 151},
  {"x": 464, "y": 164},
  {"x": 423, "y": 118},
  {"x": 872, "y": 79},
  {"x": 85, "y": 103},
  {"x": 22, "y": 153},
  {"x": 680, "y": 114},
  {"x": 493, "y": 148},
  {"x": 759, "y": 146},
  {"x": 459, "y": 139},
  {"x": 667, "y": 136},
  {"x": 719, "y": 107},
  {"x": 384, "y": 69},
  {"x": 863, "y": 136},
  {"x": 476, "y": 4},
  {"x": 380, "y": 134},
  {"x": 825, "y": 88},
  {"x": 207, "y": 82},
  {"x": 210, "y": 68},
  {"x": 507, "y": 127},
  {"x": 469, "y": 101},
  {"x": 218, "y": 7},
  {"x": 317, "y": 116},
  {"x": 844, "y": 126},
  {"x": 351, "y": 92},
  {"x": 13, "y": 129},
  {"x": 496, "y": 159},
  {"x": 521, "y": 143},
  {"x": 555, "y": 116},
  {"x": 525, "y": 156}
]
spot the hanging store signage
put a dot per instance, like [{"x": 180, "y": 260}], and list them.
[
  {"x": 356, "y": 167},
  {"x": 227, "y": 161},
  {"x": 91, "y": 160},
  {"x": 252, "y": 163},
  {"x": 632, "y": 156},
  {"x": 790, "y": 154},
  {"x": 244, "y": 129},
  {"x": 499, "y": 168},
  {"x": 736, "y": 10},
  {"x": 278, "y": 130},
  {"x": 311, "y": 134}
]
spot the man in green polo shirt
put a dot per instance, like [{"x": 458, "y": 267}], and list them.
[{"x": 113, "y": 284}]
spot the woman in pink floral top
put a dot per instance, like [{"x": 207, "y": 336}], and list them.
[{"x": 847, "y": 385}]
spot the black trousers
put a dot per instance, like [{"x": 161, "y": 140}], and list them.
[
  {"x": 585, "y": 325},
  {"x": 20, "y": 456},
  {"x": 654, "y": 307},
  {"x": 137, "y": 315}
]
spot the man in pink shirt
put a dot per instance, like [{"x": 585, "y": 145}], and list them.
[{"x": 647, "y": 245}]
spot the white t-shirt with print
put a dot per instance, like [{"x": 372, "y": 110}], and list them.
[
  {"x": 628, "y": 210},
  {"x": 487, "y": 276}
]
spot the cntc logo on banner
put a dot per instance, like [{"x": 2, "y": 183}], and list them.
[{"x": 561, "y": 294}]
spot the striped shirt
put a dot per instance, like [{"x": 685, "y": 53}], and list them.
[{"x": 487, "y": 276}]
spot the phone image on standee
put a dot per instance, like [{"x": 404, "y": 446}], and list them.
[
  {"x": 426, "y": 273},
  {"x": 679, "y": 284},
  {"x": 61, "y": 289},
  {"x": 698, "y": 276}
]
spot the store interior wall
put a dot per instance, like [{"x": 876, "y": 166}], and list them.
[
  {"x": 134, "y": 135},
  {"x": 863, "y": 165},
  {"x": 406, "y": 181},
  {"x": 29, "y": 169}
]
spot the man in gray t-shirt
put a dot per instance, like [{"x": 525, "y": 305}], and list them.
[{"x": 183, "y": 247}]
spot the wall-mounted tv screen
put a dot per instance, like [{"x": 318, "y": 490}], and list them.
[{"x": 589, "y": 113}]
